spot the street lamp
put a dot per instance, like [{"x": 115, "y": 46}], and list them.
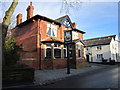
[{"x": 68, "y": 41}]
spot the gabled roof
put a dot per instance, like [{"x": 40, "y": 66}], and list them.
[
  {"x": 36, "y": 17},
  {"x": 78, "y": 40},
  {"x": 58, "y": 21},
  {"x": 99, "y": 41},
  {"x": 78, "y": 31},
  {"x": 61, "y": 18},
  {"x": 65, "y": 18}
]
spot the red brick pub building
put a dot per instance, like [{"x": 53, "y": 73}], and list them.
[{"x": 43, "y": 45}]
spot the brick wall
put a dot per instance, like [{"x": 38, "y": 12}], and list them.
[
  {"x": 54, "y": 64},
  {"x": 59, "y": 63},
  {"x": 31, "y": 63},
  {"x": 27, "y": 37},
  {"x": 80, "y": 35},
  {"x": 43, "y": 29},
  {"x": 61, "y": 32}
]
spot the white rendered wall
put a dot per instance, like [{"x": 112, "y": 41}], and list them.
[
  {"x": 113, "y": 50},
  {"x": 105, "y": 51}
]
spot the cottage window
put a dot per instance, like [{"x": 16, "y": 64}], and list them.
[
  {"x": 99, "y": 56},
  {"x": 87, "y": 48},
  {"x": 51, "y": 30},
  {"x": 99, "y": 48}
]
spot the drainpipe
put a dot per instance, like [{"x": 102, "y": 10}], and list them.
[{"x": 39, "y": 44}]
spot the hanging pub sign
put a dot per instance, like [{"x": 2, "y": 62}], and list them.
[{"x": 68, "y": 36}]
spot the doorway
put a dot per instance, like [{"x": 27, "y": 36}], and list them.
[{"x": 87, "y": 57}]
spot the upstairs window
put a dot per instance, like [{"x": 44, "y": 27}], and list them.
[
  {"x": 98, "y": 48},
  {"x": 75, "y": 35},
  {"x": 51, "y": 30},
  {"x": 87, "y": 48}
]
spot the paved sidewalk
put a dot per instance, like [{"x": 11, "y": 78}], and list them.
[{"x": 49, "y": 76}]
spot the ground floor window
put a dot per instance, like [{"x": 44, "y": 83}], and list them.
[
  {"x": 57, "y": 52},
  {"x": 99, "y": 56},
  {"x": 48, "y": 52}
]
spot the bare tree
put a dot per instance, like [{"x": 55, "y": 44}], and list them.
[
  {"x": 67, "y": 5},
  {"x": 6, "y": 22},
  {"x": 11, "y": 26}
]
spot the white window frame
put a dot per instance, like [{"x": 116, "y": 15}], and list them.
[
  {"x": 60, "y": 49},
  {"x": 99, "y": 56},
  {"x": 46, "y": 48},
  {"x": 75, "y": 35},
  {"x": 53, "y": 28}
]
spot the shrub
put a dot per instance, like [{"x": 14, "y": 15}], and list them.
[{"x": 10, "y": 52}]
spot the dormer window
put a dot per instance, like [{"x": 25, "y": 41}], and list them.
[{"x": 51, "y": 30}]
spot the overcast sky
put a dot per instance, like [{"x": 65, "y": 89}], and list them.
[{"x": 97, "y": 19}]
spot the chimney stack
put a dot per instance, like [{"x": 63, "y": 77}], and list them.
[
  {"x": 30, "y": 11},
  {"x": 74, "y": 24},
  {"x": 19, "y": 18}
]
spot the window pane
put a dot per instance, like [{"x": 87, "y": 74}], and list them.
[
  {"x": 53, "y": 33},
  {"x": 49, "y": 31},
  {"x": 79, "y": 46},
  {"x": 65, "y": 53},
  {"x": 57, "y": 52},
  {"x": 48, "y": 52}
]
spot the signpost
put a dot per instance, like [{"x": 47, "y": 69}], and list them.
[{"x": 68, "y": 41}]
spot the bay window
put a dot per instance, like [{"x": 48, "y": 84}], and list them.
[
  {"x": 48, "y": 51},
  {"x": 57, "y": 50}
]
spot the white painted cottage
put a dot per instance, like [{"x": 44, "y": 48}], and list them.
[{"x": 103, "y": 48}]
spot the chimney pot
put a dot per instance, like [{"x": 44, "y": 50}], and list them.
[
  {"x": 19, "y": 18},
  {"x": 74, "y": 24},
  {"x": 30, "y": 11}
]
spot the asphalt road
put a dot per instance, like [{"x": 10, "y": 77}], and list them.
[{"x": 102, "y": 78}]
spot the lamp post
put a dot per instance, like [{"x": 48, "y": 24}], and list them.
[{"x": 68, "y": 41}]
